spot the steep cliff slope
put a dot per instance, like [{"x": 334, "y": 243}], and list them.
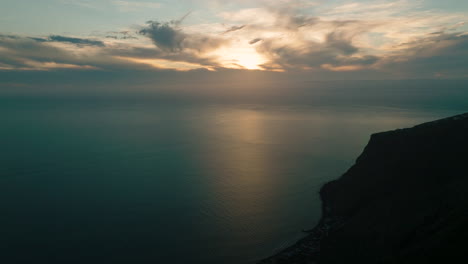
[{"x": 404, "y": 201}]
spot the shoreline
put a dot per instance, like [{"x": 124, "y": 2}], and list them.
[{"x": 385, "y": 208}]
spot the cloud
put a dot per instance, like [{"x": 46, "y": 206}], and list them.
[
  {"x": 340, "y": 43},
  {"x": 253, "y": 41},
  {"x": 152, "y": 56},
  {"x": 233, "y": 28},
  {"x": 440, "y": 54},
  {"x": 270, "y": 18},
  {"x": 170, "y": 37},
  {"x": 334, "y": 50},
  {"x": 78, "y": 41},
  {"x": 120, "y": 35},
  {"x": 164, "y": 35},
  {"x": 390, "y": 37},
  {"x": 64, "y": 39},
  {"x": 33, "y": 53},
  {"x": 340, "y": 38}
]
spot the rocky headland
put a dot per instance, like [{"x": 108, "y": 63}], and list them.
[{"x": 405, "y": 200}]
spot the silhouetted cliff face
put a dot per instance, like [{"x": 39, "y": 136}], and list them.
[{"x": 404, "y": 201}]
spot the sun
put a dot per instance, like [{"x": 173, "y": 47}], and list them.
[
  {"x": 249, "y": 60},
  {"x": 241, "y": 58}
]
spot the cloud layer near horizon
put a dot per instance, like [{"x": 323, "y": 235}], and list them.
[{"x": 397, "y": 38}]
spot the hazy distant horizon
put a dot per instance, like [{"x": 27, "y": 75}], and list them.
[{"x": 411, "y": 94}]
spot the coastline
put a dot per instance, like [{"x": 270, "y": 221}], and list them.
[{"x": 403, "y": 198}]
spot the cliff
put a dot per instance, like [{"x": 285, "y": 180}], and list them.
[{"x": 404, "y": 201}]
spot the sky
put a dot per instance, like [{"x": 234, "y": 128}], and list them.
[{"x": 196, "y": 39}]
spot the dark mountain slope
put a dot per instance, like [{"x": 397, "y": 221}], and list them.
[{"x": 404, "y": 201}]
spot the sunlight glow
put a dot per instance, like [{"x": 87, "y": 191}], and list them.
[
  {"x": 167, "y": 64},
  {"x": 241, "y": 58}
]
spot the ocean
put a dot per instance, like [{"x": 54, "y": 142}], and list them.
[{"x": 119, "y": 180}]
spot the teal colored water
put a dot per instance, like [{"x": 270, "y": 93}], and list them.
[{"x": 103, "y": 181}]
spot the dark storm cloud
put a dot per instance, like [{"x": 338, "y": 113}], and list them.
[
  {"x": 78, "y": 41},
  {"x": 169, "y": 37}
]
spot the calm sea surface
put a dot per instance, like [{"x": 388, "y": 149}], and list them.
[{"x": 103, "y": 181}]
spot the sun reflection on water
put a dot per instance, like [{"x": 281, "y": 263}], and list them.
[{"x": 244, "y": 186}]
